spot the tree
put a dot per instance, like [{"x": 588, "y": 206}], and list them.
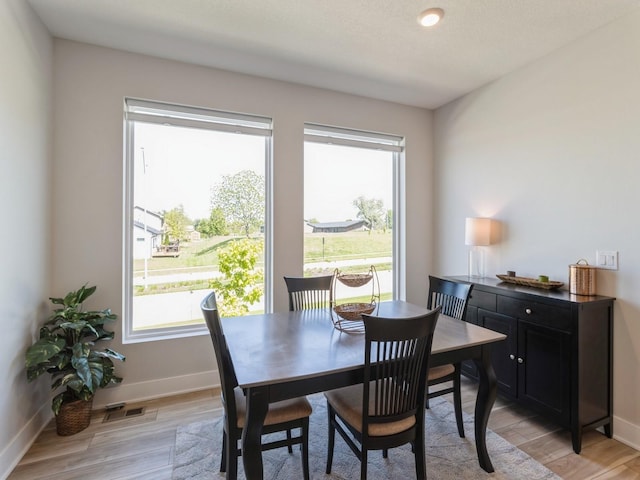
[
  {"x": 388, "y": 220},
  {"x": 241, "y": 198},
  {"x": 214, "y": 225},
  {"x": 371, "y": 211},
  {"x": 175, "y": 223},
  {"x": 242, "y": 284}
]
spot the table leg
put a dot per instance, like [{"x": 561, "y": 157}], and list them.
[
  {"x": 487, "y": 389},
  {"x": 257, "y": 407}
]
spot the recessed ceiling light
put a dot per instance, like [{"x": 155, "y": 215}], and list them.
[{"x": 430, "y": 17}]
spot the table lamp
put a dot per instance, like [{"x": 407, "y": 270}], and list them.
[{"x": 477, "y": 234}]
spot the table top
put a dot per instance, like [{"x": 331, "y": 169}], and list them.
[{"x": 279, "y": 347}]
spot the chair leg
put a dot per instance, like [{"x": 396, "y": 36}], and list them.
[
  {"x": 223, "y": 456},
  {"x": 289, "y": 447},
  {"x": 457, "y": 401},
  {"x": 418, "y": 452},
  {"x": 385, "y": 453},
  {"x": 331, "y": 438},
  {"x": 305, "y": 448},
  {"x": 232, "y": 459},
  {"x": 363, "y": 465}
]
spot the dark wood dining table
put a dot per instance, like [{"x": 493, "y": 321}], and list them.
[{"x": 281, "y": 355}]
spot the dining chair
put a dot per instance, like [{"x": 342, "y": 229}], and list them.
[
  {"x": 309, "y": 292},
  {"x": 282, "y": 416},
  {"x": 452, "y": 298},
  {"x": 387, "y": 409}
]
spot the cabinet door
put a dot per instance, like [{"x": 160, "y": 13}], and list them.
[
  {"x": 544, "y": 369},
  {"x": 503, "y": 354}
]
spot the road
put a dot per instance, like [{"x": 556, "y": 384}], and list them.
[{"x": 164, "y": 308}]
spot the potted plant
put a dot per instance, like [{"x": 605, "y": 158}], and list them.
[{"x": 66, "y": 350}]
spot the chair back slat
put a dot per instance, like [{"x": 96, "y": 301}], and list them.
[
  {"x": 228, "y": 380},
  {"x": 309, "y": 292},
  {"x": 451, "y": 296},
  {"x": 396, "y": 362}
]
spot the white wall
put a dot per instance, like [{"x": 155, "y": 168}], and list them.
[
  {"x": 552, "y": 151},
  {"x": 25, "y": 121},
  {"x": 90, "y": 85}
]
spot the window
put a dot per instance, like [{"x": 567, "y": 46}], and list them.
[
  {"x": 196, "y": 188},
  {"x": 351, "y": 204}
]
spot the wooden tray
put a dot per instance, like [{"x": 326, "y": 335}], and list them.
[{"x": 530, "y": 282}]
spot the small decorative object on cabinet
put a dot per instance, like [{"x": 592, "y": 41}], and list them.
[
  {"x": 582, "y": 278},
  {"x": 531, "y": 282},
  {"x": 557, "y": 358},
  {"x": 66, "y": 350},
  {"x": 347, "y": 317}
]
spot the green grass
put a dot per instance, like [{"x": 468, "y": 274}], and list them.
[
  {"x": 344, "y": 246},
  {"x": 202, "y": 256},
  {"x": 195, "y": 256}
]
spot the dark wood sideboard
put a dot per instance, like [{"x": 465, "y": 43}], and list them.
[{"x": 558, "y": 355}]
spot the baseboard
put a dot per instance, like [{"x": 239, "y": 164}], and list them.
[
  {"x": 626, "y": 432},
  {"x": 125, "y": 392},
  {"x": 162, "y": 387},
  {"x": 20, "y": 444}
]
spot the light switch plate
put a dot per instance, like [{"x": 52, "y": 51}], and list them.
[{"x": 607, "y": 259}]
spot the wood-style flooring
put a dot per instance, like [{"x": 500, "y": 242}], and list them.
[{"x": 142, "y": 447}]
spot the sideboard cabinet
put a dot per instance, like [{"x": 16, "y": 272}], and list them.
[{"x": 557, "y": 358}]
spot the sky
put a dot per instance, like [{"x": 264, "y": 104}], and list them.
[
  {"x": 179, "y": 166},
  {"x": 335, "y": 176},
  {"x": 182, "y": 165}
]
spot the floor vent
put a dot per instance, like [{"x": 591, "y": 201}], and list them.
[{"x": 120, "y": 414}]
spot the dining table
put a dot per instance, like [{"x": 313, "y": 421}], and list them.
[{"x": 282, "y": 355}]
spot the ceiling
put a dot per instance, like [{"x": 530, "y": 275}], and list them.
[{"x": 373, "y": 48}]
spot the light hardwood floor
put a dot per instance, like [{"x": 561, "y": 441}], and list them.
[{"x": 141, "y": 447}]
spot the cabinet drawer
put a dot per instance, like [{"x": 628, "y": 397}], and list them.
[
  {"x": 539, "y": 313},
  {"x": 483, "y": 300}
]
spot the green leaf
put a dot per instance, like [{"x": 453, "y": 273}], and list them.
[
  {"x": 57, "y": 383},
  {"x": 43, "y": 350},
  {"x": 61, "y": 361},
  {"x": 85, "y": 293},
  {"x": 35, "y": 371},
  {"x": 57, "y": 403},
  {"x": 80, "y": 361},
  {"x": 108, "y": 353}
]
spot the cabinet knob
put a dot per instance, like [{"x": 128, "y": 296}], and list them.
[
  {"x": 512, "y": 356},
  {"x": 520, "y": 360},
  {"x": 527, "y": 311}
]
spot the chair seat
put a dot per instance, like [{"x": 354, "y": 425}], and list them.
[
  {"x": 279, "y": 412},
  {"x": 442, "y": 371},
  {"x": 347, "y": 402}
]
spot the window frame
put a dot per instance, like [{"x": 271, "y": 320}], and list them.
[
  {"x": 138, "y": 110},
  {"x": 332, "y": 135}
]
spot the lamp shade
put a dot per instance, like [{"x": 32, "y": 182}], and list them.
[{"x": 477, "y": 231}]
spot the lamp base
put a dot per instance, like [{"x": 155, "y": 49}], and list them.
[{"x": 476, "y": 262}]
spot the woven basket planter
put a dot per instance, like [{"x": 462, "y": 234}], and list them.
[{"x": 74, "y": 417}]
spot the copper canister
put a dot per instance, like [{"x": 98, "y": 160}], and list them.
[{"x": 582, "y": 278}]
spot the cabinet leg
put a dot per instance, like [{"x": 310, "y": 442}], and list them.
[
  {"x": 576, "y": 439},
  {"x": 608, "y": 429}
]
